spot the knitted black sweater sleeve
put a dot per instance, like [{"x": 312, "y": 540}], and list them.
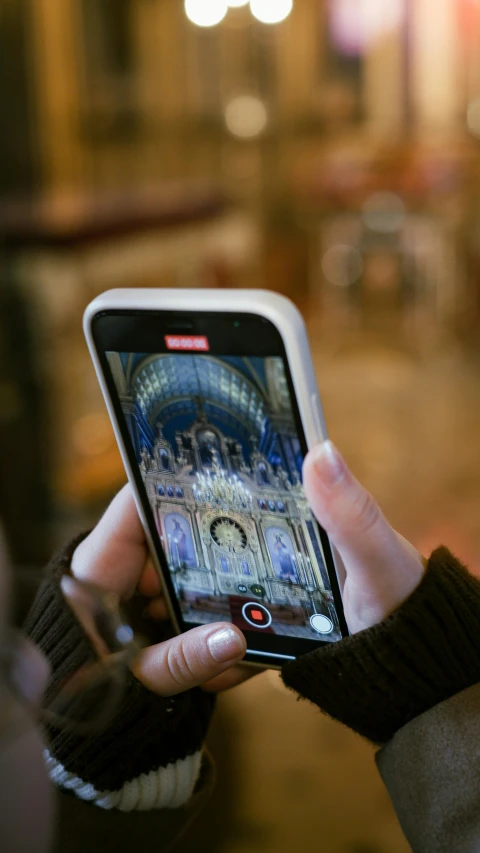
[
  {"x": 427, "y": 650},
  {"x": 147, "y": 734}
]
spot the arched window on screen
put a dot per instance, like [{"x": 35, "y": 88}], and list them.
[
  {"x": 164, "y": 460},
  {"x": 262, "y": 472}
]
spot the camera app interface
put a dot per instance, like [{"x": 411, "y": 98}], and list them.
[{"x": 219, "y": 454}]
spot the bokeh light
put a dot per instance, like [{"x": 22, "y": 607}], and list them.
[
  {"x": 356, "y": 24},
  {"x": 271, "y": 11},
  {"x": 342, "y": 265},
  {"x": 384, "y": 212},
  {"x": 246, "y": 116},
  {"x": 206, "y": 13}
]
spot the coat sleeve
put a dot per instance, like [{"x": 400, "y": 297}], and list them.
[
  {"x": 150, "y": 753},
  {"x": 431, "y": 769},
  {"x": 83, "y": 827},
  {"x": 427, "y": 650}
]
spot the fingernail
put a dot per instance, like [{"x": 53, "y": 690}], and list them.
[
  {"x": 225, "y": 645},
  {"x": 329, "y": 464}
]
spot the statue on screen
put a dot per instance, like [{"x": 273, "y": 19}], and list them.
[
  {"x": 284, "y": 559},
  {"x": 180, "y": 539}
]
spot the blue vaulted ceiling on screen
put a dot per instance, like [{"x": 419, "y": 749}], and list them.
[
  {"x": 160, "y": 380},
  {"x": 243, "y": 397}
]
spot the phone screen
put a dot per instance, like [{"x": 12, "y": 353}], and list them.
[{"x": 218, "y": 448}]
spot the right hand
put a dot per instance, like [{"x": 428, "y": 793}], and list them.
[{"x": 382, "y": 568}]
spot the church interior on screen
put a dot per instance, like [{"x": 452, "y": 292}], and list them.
[{"x": 217, "y": 446}]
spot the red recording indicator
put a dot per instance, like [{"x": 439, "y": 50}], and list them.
[
  {"x": 257, "y": 615},
  {"x": 187, "y": 342}
]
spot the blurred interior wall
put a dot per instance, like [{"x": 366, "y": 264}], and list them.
[
  {"x": 54, "y": 50},
  {"x": 95, "y": 116},
  {"x": 24, "y": 495},
  {"x": 99, "y": 86},
  {"x": 438, "y": 66},
  {"x": 145, "y": 79},
  {"x": 18, "y": 159}
]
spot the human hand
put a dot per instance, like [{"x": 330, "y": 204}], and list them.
[
  {"x": 115, "y": 557},
  {"x": 382, "y": 568}
]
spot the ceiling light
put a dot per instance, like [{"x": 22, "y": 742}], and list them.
[
  {"x": 206, "y": 13},
  {"x": 271, "y": 11}
]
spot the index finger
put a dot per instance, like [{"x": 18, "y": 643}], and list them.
[{"x": 113, "y": 555}]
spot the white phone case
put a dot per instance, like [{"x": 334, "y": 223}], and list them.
[{"x": 278, "y": 309}]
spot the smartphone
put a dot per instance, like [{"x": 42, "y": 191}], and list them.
[{"x": 214, "y": 403}]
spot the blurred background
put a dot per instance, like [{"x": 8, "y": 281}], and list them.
[{"x": 325, "y": 149}]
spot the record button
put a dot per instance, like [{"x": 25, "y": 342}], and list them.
[{"x": 256, "y": 614}]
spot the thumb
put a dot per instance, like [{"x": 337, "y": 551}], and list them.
[
  {"x": 190, "y": 659},
  {"x": 382, "y": 568}
]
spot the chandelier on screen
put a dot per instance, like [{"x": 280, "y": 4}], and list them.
[
  {"x": 222, "y": 491},
  {"x": 209, "y": 13}
]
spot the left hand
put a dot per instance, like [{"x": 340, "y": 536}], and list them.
[{"x": 115, "y": 557}]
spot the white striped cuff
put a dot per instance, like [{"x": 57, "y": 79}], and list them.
[{"x": 166, "y": 788}]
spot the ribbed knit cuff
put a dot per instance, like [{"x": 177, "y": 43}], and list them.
[
  {"x": 147, "y": 731},
  {"x": 427, "y": 650}
]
